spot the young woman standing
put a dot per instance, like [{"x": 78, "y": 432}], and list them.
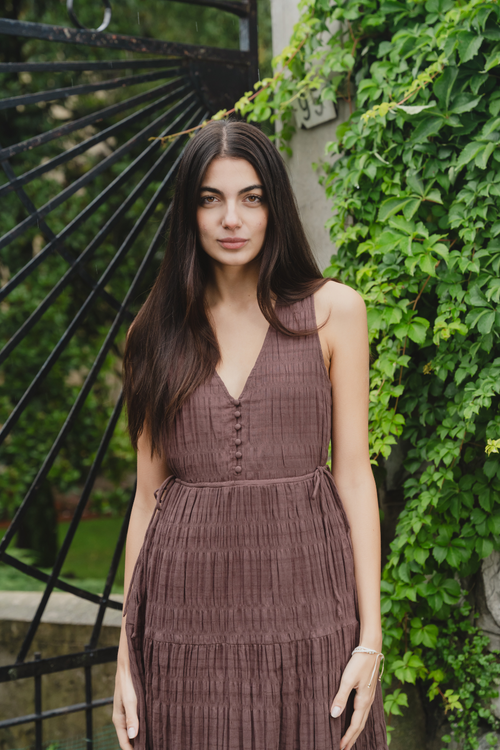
[{"x": 252, "y": 575}]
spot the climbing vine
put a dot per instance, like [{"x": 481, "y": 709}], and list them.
[{"x": 415, "y": 191}]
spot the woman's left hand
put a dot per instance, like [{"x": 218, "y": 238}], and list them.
[{"x": 356, "y": 676}]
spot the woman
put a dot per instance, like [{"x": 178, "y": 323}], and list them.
[{"x": 252, "y": 582}]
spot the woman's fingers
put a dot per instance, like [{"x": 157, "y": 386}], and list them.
[
  {"x": 362, "y": 705},
  {"x": 356, "y": 726},
  {"x": 125, "y": 717},
  {"x": 340, "y": 700},
  {"x": 120, "y": 722}
]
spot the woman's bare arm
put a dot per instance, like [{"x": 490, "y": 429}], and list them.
[
  {"x": 346, "y": 334},
  {"x": 150, "y": 475}
]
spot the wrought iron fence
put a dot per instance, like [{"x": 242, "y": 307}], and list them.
[{"x": 162, "y": 88}]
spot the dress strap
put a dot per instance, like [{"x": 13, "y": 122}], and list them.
[
  {"x": 160, "y": 492},
  {"x": 319, "y": 472}
]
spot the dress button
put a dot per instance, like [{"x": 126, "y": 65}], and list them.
[
  {"x": 237, "y": 426},
  {"x": 236, "y": 402},
  {"x": 237, "y": 469},
  {"x": 238, "y": 454},
  {"x": 237, "y": 441},
  {"x": 237, "y": 413}
]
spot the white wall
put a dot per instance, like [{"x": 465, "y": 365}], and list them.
[{"x": 308, "y": 147}]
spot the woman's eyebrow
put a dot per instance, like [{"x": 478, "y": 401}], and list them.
[{"x": 219, "y": 192}]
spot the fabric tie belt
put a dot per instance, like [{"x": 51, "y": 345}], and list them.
[{"x": 318, "y": 472}]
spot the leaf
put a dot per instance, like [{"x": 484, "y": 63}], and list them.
[
  {"x": 429, "y": 126},
  {"x": 484, "y": 547},
  {"x": 468, "y": 45},
  {"x": 485, "y": 322},
  {"x": 415, "y": 109},
  {"x": 391, "y": 206},
  {"x": 440, "y": 553},
  {"x": 417, "y": 330},
  {"x": 430, "y": 636},
  {"x": 470, "y": 152},
  {"x": 427, "y": 264},
  {"x": 415, "y": 182},
  {"x": 434, "y": 195},
  {"x": 492, "y": 61},
  {"x": 490, "y": 467},
  {"x": 454, "y": 557},
  {"x": 477, "y": 298},
  {"x": 444, "y": 85},
  {"x": 411, "y": 208},
  {"x": 490, "y": 126},
  {"x": 441, "y": 250},
  {"x": 481, "y": 159},
  {"x": 452, "y": 587},
  {"x": 420, "y": 555}
]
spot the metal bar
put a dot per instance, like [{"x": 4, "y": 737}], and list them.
[
  {"x": 48, "y": 233},
  {"x": 59, "y": 239},
  {"x": 41, "y": 213},
  {"x": 84, "y": 65},
  {"x": 73, "y": 526},
  {"x": 38, "y": 707},
  {"x": 89, "y": 251},
  {"x": 93, "y": 140},
  {"x": 82, "y": 122},
  {"x": 52, "y": 664},
  {"x": 84, "y": 88},
  {"x": 253, "y": 71},
  {"x": 54, "y": 712},
  {"x": 89, "y": 734},
  {"x": 62, "y": 585},
  {"x": 239, "y": 9},
  {"x": 92, "y": 375},
  {"x": 119, "y": 41},
  {"x": 112, "y": 570}
]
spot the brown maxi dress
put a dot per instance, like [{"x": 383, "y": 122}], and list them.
[{"x": 242, "y": 609}]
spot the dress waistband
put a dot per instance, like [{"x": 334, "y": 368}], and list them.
[{"x": 318, "y": 472}]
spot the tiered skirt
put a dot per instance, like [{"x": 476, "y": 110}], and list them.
[{"x": 241, "y": 617}]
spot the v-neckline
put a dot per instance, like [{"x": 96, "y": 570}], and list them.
[{"x": 259, "y": 357}]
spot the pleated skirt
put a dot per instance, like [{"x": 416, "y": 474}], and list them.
[{"x": 241, "y": 617}]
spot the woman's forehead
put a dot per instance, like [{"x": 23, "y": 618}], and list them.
[{"x": 230, "y": 171}]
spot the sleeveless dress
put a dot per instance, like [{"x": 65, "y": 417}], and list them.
[{"x": 242, "y": 609}]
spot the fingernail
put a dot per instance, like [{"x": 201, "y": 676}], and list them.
[
  {"x": 131, "y": 733},
  {"x": 336, "y": 711}
]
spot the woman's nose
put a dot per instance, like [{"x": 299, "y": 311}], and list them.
[{"x": 231, "y": 217}]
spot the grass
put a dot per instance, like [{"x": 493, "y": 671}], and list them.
[{"x": 86, "y": 565}]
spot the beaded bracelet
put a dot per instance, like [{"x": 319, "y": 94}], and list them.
[{"x": 363, "y": 650}]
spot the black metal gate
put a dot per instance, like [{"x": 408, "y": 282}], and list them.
[{"x": 123, "y": 195}]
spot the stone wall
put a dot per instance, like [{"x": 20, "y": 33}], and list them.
[
  {"x": 308, "y": 146},
  {"x": 66, "y": 627}
]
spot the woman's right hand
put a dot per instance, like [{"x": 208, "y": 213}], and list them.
[{"x": 125, "y": 704}]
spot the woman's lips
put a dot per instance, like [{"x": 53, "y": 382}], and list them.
[{"x": 233, "y": 242}]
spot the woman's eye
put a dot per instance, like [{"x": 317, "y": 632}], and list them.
[
  {"x": 208, "y": 198},
  {"x": 258, "y": 198}
]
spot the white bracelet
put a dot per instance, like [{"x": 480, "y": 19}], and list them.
[{"x": 363, "y": 650}]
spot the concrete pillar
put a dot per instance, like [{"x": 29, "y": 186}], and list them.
[{"x": 308, "y": 146}]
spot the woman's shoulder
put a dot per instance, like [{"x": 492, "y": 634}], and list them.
[{"x": 338, "y": 301}]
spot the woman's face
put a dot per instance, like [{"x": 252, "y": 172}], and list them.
[{"x": 232, "y": 212}]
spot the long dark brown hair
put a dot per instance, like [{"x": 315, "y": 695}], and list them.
[{"x": 171, "y": 347}]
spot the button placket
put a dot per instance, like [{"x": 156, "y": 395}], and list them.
[{"x": 237, "y": 439}]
